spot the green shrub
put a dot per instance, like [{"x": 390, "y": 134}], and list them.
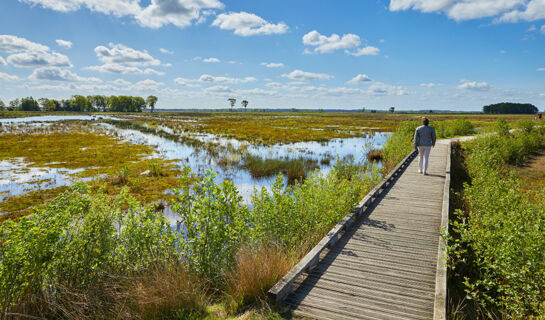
[
  {"x": 454, "y": 128},
  {"x": 502, "y": 127},
  {"x": 400, "y": 144},
  {"x": 215, "y": 223},
  {"x": 526, "y": 125},
  {"x": 295, "y": 217},
  {"x": 501, "y": 240},
  {"x": 75, "y": 241}
]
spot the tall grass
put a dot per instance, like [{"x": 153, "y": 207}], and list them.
[
  {"x": 294, "y": 169},
  {"x": 497, "y": 240},
  {"x": 399, "y": 145},
  {"x": 254, "y": 273}
]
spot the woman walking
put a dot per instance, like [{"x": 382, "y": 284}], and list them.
[{"x": 424, "y": 140}]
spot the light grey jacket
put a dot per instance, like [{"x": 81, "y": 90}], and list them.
[{"x": 424, "y": 136}]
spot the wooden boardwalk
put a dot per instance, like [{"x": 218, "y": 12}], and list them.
[{"x": 385, "y": 266}]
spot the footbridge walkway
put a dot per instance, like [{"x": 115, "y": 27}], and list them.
[{"x": 384, "y": 260}]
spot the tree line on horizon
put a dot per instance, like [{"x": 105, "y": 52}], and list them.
[
  {"x": 510, "y": 108},
  {"x": 79, "y": 103}
]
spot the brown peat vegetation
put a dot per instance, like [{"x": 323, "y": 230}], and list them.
[{"x": 101, "y": 248}]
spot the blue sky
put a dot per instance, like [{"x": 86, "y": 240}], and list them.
[{"x": 409, "y": 54}]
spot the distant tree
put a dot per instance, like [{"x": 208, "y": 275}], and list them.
[
  {"x": 511, "y": 108},
  {"x": 293, "y": 110},
  {"x": 67, "y": 105},
  {"x": 244, "y": 104},
  {"x": 14, "y": 104},
  {"x": 373, "y": 111},
  {"x": 151, "y": 101},
  {"x": 363, "y": 109},
  {"x": 29, "y": 104},
  {"x": 114, "y": 105},
  {"x": 80, "y": 103},
  {"x": 125, "y": 104},
  {"x": 232, "y": 101},
  {"x": 2, "y": 105},
  {"x": 51, "y": 105},
  {"x": 97, "y": 103},
  {"x": 43, "y": 102},
  {"x": 392, "y": 109},
  {"x": 47, "y": 105},
  {"x": 101, "y": 103},
  {"x": 137, "y": 104}
]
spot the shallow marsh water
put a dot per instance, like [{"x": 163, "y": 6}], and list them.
[{"x": 17, "y": 178}]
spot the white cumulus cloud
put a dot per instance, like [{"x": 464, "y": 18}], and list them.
[
  {"x": 272, "y": 64},
  {"x": 3, "y": 62},
  {"x": 503, "y": 10},
  {"x": 156, "y": 14},
  {"x": 118, "y": 53},
  {"x": 324, "y": 44},
  {"x": 8, "y": 77},
  {"x": 365, "y": 51},
  {"x": 165, "y": 51},
  {"x": 248, "y": 24},
  {"x": 382, "y": 89},
  {"x": 360, "y": 78},
  {"x": 147, "y": 85},
  {"x": 64, "y": 43},
  {"x": 217, "y": 89},
  {"x": 181, "y": 13},
  {"x": 346, "y": 42},
  {"x": 11, "y": 44},
  {"x": 121, "y": 69},
  {"x": 211, "y": 60},
  {"x": 121, "y": 82},
  {"x": 473, "y": 85},
  {"x": 59, "y": 74},
  {"x": 113, "y": 7},
  {"x": 39, "y": 59},
  {"x": 300, "y": 75},
  {"x": 214, "y": 79},
  {"x": 429, "y": 85},
  {"x": 25, "y": 53},
  {"x": 118, "y": 58},
  {"x": 540, "y": 69}
]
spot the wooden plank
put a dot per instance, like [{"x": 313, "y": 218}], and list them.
[
  {"x": 376, "y": 276},
  {"x": 386, "y": 261},
  {"x": 365, "y": 307},
  {"x": 404, "y": 276},
  {"x": 363, "y": 292}
]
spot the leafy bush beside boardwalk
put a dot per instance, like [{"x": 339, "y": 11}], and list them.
[
  {"x": 497, "y": 243},
  {"x": 90, "y": 256}
]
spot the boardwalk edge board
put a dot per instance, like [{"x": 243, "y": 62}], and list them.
[
  {"x": 440, "y": 303},
  {"x": 283, "y": 288}
]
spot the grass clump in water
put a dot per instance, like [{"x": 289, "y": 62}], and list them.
[
  {"x": 294, "y": 169},
  {"x": 374, "y": 155}
]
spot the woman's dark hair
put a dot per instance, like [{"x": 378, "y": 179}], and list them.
[{"x": 425, "y": 121}]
